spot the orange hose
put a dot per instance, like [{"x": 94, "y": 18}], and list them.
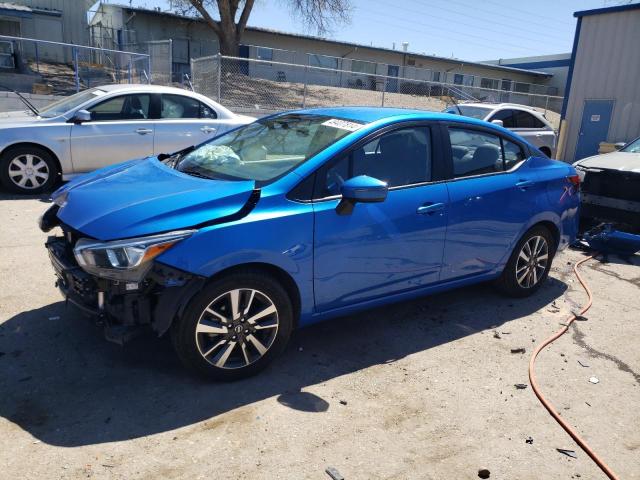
[{"x": 534, "y": 385}]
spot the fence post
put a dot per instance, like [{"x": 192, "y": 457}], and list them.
[
  {"x": 130, "y": 68},
  {"x": 546, "y": 104},
  {"x": 219, "y": 73},
  {"x": 384, "y": 89},
  {"x": 75, "y": 68},
  {"x": 304, "y": 91},
  {"x": 37, "y": 57}
]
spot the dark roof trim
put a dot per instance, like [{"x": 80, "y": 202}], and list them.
[
  {"x": 599, "y": 11},
  {"x": 348, "y": 44},
  {"x": 567, "y": 88},
  {"x": 565, "y": 62}
]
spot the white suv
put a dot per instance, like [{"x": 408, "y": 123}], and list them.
[{"x": 521, "y": 119}]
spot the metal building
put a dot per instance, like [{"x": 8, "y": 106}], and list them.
[{"x": 602, "y": 97}]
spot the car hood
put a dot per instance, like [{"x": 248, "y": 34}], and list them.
[
  {"x": 622, "y": 161},
  {"x": 17, "y": 119},
  {"x": 145, "y": 197}
]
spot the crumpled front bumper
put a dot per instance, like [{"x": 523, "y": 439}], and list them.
[{"x": 125, "y": 309}]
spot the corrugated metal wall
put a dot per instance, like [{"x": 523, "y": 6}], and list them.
[
  {"x": 74, "y": 18},
  {"x": 607, "y": 67}
]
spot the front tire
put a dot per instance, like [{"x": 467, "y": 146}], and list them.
[
  {"x": 28, "y": 170},
  {"x": 529, "y": 264},
  {"x": 235, "y": 327}
]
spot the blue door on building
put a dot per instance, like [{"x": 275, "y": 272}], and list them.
[
  {"x": 392, "y": 83},
  {"x": 594, "y": 127}
]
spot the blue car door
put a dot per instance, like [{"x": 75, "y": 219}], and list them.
[
  {"x": 492, "y": 197},
  {"x": 380, "y": 248}
]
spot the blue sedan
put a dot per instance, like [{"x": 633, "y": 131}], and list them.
[{"x": 303, "y": 216}]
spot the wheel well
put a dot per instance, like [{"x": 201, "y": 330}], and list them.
[
  {"x": 552, "y": 229},
  {"x": 281, "y": 276},
  {"x": 37, "y": 145}
]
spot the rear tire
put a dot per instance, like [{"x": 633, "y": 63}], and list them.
[
  {"x": 28, "y": 170},
  {"x": 235, "y": 327},
  {"x": 529, "y": 264}
]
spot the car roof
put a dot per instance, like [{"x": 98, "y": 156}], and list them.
[
  {"x": 119, "y": 87},
  {"x": 373, "y": 114}
]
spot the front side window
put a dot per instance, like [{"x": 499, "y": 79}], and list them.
[
  {"x": 474, "y": 152},
  {"x": 124, "y": 107},
  {"x": 401, "y": 157},
  {"x": 179, "y": 106},
  {"x": 266, "y": 149},
  {"x": 522, "y": 119},
  {"x": 633, "y": 147},
  {"x": 507, "y": 118}
]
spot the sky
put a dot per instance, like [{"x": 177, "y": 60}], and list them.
[{"x": 465, "y": 29}]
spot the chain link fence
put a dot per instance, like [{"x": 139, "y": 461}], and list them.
[
  {"x": 264, "y": 86},
  {"x": 63, "y": 68}
]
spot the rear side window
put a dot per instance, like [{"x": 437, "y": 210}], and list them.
[
  {"x": 179, "y": 106},
  {"x": 477, "y": 153},
  {"x": 401, "y": 157}
]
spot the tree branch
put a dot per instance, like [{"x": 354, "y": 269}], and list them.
[
  {"x": 202, "y": 10},
  {"x": 244, "y": 17}
]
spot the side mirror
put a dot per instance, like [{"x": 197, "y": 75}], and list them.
[
  {"x": 619, "y": 145},
  {"x": 498, "y": 122},
  {"x": 81, "y": 116},
  {"x": 361, "y": 189}
]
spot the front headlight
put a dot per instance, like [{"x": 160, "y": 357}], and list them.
[{"x": 125, "y": 260}]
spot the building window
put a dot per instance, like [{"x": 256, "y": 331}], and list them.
[
  {"x": 361, "y": 66},
  {"x": 468, "y": 80},
  {"x": 521, "y": 87},
  {"x": 264, "y": 54},
  {"x": 323, "y": 61},
  {"x": 411, "y": 62},
  {"x": 491, "y": 83},
  {"x": 458, "y": 78},
  {"x": 435, "y": 76}
]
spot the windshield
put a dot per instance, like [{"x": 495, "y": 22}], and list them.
[
  {"x": 468, "y": 111},
  {"x": 64, "y": 105},
  {"x": 633, "y": 147},
  {"x": 266, "y": 149}
]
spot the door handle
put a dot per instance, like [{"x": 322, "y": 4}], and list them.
[
  {"x": 524, "y": 184},
  {"x": 143, "y": 131},
  {"x": 208, "y": 129},
  {"x": 430, "y": 209}
]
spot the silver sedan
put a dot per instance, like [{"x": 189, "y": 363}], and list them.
[{"x": 102, "y": 126}]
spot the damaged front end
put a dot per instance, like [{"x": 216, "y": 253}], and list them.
[
  {"x": 119, "y": 282},
  {"x": 610, "y": 196}
]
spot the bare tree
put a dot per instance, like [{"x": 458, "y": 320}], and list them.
[{"x": 320, "y": 15}]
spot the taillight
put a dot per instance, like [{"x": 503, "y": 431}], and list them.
[{"x": 574, "y": 180}]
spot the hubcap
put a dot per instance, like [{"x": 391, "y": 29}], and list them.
[
  {"x": 532, "y": 262},
  {"x": 237, "y": 328},
  {"x": 28, "y": 171}
]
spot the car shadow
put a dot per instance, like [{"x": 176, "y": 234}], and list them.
[{"x": 65, "y": 385}]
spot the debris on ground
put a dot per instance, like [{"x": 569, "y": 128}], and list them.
[
  {"x": 334, "y": 474},
  {"x": 568, "y": 453},
  {"x": 521, "y": 386},
  {"x": 518, "y": 350},
  {"x": 594, "y": 380},
  {"x": 529, "y": 440},
  {"x": 496, "y": 335},
  {"x": 583, "y": 364},
  {"x": 343, "y": 402},
  {"x": 579, "y": 318},
  {"x": 484, "y": 473}
]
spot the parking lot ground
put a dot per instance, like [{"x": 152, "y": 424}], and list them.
[{"x": 423, "y": 389}]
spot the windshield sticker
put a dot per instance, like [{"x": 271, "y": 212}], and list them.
[{"x": 342, "y": 124}]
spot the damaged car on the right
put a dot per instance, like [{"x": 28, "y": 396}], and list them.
[{"x": 610, "y": 187}]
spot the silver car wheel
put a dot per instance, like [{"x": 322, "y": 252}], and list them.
[
  {"x": 237, "y": 328},
  {"x": 532, "y": 262},
  {"x": 28, "y": 171}
]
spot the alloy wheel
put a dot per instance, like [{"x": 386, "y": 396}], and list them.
[
  {"x": 28, "y": 171},
  {"x": 237, "y": 328},
  {"x": 532, "y": 261}
]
